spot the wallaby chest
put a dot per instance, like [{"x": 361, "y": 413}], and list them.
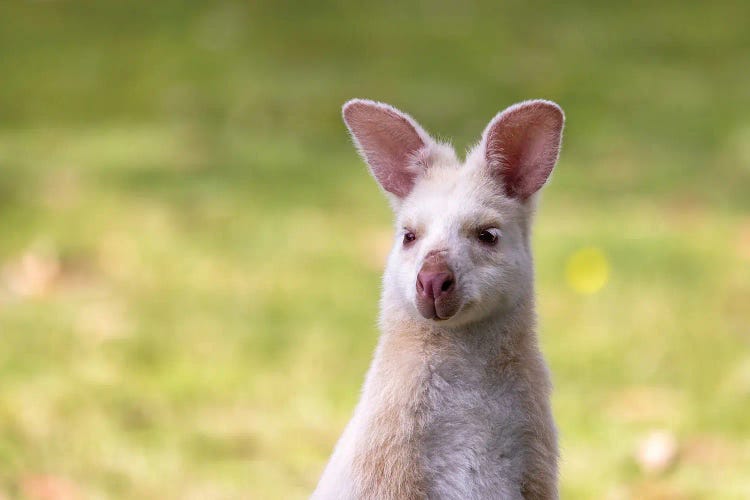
[{"x": 473, "y": 439}]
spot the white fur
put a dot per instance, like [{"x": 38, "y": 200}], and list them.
[{"x": 456, "y": 408}]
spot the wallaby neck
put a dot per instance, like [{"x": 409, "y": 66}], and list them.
[{"x": 395, "y": 408}]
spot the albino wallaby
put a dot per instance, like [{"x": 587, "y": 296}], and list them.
[{"x": 456, "y": 401}]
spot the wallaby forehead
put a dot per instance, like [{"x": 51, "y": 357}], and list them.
[{"x": 456, "y": 193}]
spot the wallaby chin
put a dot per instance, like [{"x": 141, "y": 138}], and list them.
[{"x": 456, "y": 401}]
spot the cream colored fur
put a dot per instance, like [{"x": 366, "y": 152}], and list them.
[{"x": 457, "y": 408}]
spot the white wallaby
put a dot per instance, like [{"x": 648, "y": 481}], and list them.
[{"x": 456, "y": 401}]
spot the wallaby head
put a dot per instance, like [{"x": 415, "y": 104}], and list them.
[{"x": 461, "y": 252}]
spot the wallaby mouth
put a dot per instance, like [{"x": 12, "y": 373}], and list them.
[{"x": 436, "y": 311}]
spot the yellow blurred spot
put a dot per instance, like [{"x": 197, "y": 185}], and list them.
[{"x": 587, "y": 270}]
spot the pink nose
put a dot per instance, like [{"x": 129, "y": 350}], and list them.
[
  {"x": 432, "y": 284},
  {"x": 436, "y": 288}
]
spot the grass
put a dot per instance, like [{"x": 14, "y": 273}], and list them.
[{"x": 191, "y": 250}]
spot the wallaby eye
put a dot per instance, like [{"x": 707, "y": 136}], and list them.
[
  {"x": 488, "y": 236},
  {"x": 409, "y": 237}
]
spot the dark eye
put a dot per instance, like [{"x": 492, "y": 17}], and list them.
[
  {"x": 409, "y": 237},
  {"x": 488, "y": 236}
]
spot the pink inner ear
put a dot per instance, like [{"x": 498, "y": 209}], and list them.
[
  {"x": 388, "y": 140},
  {"x": 522, "y": 145}
]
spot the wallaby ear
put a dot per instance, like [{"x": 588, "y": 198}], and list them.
[
  {"x": 521, "y": 146},
  {"x": 389, "y": 141}
]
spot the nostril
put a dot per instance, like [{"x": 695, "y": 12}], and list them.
[{"x": 431, "y": 285}]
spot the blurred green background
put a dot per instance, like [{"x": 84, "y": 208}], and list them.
[{"x": 190, "y": 249}]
